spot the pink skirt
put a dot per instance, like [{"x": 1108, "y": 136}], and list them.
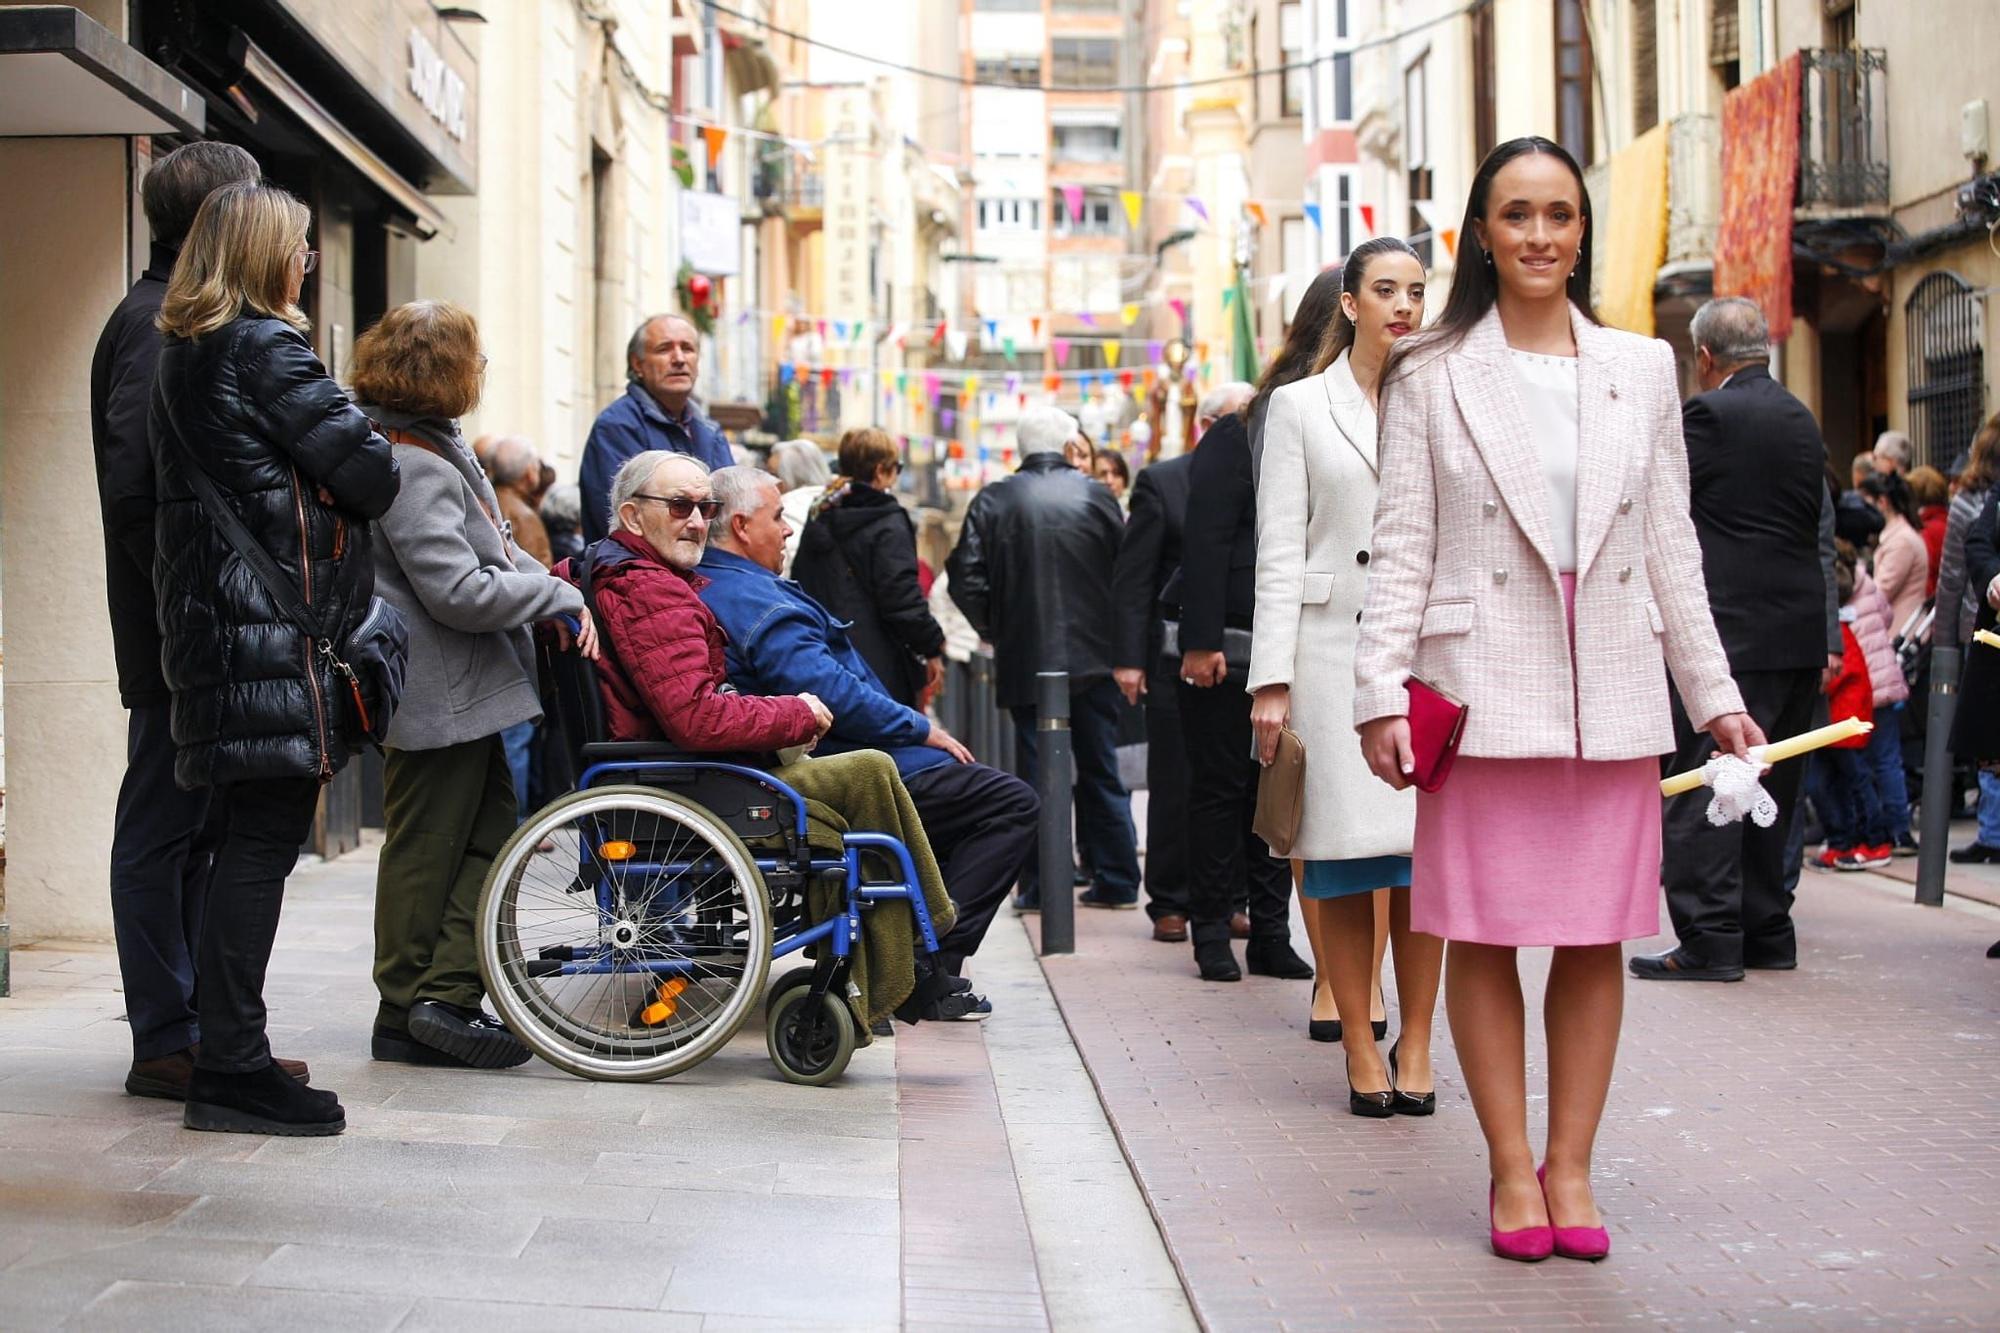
[{"x": 1539, "y": 852}]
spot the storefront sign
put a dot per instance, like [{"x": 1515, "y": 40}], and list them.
[
  {"x": 711, "y": 233},
  {"x": 437, "y": 85}
]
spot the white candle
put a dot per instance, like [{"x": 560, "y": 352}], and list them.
[{"x": 1778, "y": 751}]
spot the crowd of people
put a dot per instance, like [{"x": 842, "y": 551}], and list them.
[{"x": 1507, "y": 509}]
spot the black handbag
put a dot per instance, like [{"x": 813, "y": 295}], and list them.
[{"x": 373, "y": 660}]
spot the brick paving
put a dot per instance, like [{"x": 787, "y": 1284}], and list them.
[{"x": 1810, "y": 1149}]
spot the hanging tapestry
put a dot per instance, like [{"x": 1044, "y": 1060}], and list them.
[{"x": 1760, "y": 171}]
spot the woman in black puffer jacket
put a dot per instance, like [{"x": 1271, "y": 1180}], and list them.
[
  {"x": 256, "y": 714},
  {"x": 858, "y": 559}
]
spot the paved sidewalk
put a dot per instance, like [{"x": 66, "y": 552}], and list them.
[
  {"x": 1816, "y": 1149},
  {"x": 916, "y": 1192}
]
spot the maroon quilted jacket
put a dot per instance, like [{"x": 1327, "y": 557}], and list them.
[{"x": 671, "y": 646}]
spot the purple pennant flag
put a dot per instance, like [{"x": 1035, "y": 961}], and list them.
[
  {"x": 1088, "y": 320},
  {"x": 1013, "y": 383},
  {"x": 1200, "y": 210},
  {"x": 947, "y": 418},
  {"x": 1152, "y": 353}
]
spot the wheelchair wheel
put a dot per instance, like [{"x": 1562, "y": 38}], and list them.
[
  {"x": 624, "y": 933},
  {"x": 810, "y": 1040}
]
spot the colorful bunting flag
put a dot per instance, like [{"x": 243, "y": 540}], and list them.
[
  {"x": 778, "y": 323},
  {"x": 1007, "y": 347},
  {"x": 1450, "y": 238},
  {"x": 1060, "y": 346},
  {"x": 1312, "y": 215},
  {"x": 1130, "y": 314},
  {"x": 1111, "y": 350},
  {"x": 1428, "y": 211},
  {"x": 1152, "y": 353},
  {"x": 1179, "y": 307},
  {"x": 1368, "y": 218},
  {"x": 1256, "y": 211},
  {"x": 1228, "y": 297},
  {"x": 992, "y": 328},
  {"x": 714, "y": 136},
  {"x": 971, "y": 385},
  {"x": 1133, "y": 201},
  {"x": 821, "y": 325},
  {"x": 1073, "y": 201},
  {"x": 1199, "y": 209}
]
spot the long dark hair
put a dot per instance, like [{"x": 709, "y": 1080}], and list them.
[
  {"x": 1891, "y": 487},
  {"x": 1318, "y": 308},
  {"x": 1340, "y": 333},
  {"x": 1475, "y": 287}
]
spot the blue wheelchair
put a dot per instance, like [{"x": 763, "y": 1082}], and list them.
[{"x": 627, "y": 929}]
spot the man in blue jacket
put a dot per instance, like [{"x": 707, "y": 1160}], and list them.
[
  {"x": 980, "y": 821},
  {"x": 657, "y": 411}
]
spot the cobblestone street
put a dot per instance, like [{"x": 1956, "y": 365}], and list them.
[{"x": 1810, "y": 1149}]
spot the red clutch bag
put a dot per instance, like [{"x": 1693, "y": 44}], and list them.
[{"x": 1437, "y": 725}]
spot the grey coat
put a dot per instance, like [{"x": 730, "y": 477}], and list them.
[{"x": 466, "y": 589}]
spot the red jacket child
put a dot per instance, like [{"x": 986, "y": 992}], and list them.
[{"x": 1851, "y": 694}]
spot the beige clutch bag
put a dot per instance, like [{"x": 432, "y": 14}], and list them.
[{"x": 1281, "y": 794}]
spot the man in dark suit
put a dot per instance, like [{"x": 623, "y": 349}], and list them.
[
  {"x": 1756, "y": 463},
  {"x": 1148, "y": 556}
]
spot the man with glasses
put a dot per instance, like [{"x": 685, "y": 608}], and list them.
[
  {"x": 657, "y": 411},
  {"x": 662, "y": 676}
]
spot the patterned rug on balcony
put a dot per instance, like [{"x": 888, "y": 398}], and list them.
[{"x": 1760, "y": 168}]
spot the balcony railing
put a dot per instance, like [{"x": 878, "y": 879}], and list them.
[{"x": 1843, "y": 130}]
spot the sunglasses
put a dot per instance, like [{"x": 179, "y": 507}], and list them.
[{"x": 681, "y": 506}]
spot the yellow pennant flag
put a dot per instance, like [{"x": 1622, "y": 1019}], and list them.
[
  {"x": 778, "y": 323},
  {"x": 1130, "y": 314},
  {"x": 1131, "y": 200},
  {"x": 971, "y": 385},
  {"x": 1111, "y": 353}
]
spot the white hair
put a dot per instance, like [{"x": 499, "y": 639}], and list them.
[
  {"x": 1733, "y": 330},
  {"x": 800, "y": 463},
  {"x": 639, "y": 469},
  {"x": 1223, "y": 399},
  {"x": 740, "y": 490},
  {"x": 1894, "y": 446},
  {"x": 1044, "y": 430}
]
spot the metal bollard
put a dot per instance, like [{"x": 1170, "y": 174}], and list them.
[
  {"x": 1053, "y": 777},
  {"x": 1935, "y": 839}
]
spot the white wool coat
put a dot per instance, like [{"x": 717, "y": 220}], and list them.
[{"x": 1316, "y": 489}]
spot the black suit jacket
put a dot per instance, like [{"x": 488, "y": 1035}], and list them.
[
  {"x": 1755, "y": 462},
  {"x": 1148, "y": 555},
  {"x": 1217, "y": 584}
]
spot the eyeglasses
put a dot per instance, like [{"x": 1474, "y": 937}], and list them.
[
  {"x": 311, "y": 258},
  {"x": 681, "y": 506}
]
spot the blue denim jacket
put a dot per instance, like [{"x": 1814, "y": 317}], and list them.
[
  {"x": 629, "y": 427},
  {"x": 781, "y": 641}
]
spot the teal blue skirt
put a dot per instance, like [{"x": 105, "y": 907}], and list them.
[{"x": 1363, "y": 874}]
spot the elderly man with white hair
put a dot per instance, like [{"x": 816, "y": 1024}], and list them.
[
  {"x": 803, "y": 473},
  {"x": 1032, "y": 572},
  {"x": 1147, "y": 558}
]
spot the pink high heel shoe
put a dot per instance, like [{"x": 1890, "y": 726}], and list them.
[
  {"x": 1587, "y": 1243},
  {"x": 1528, "y": 1245}
]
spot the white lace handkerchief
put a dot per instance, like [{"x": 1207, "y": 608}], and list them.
[{"x": 1737, "y": 792}]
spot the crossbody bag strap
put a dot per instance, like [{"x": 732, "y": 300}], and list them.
[
  {"x": 267, "y": 570},
  {"x": 414, "y": 441},
  {"x": 586, "y": 584}
]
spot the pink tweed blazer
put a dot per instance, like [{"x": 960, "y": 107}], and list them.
[{"x": 1462, "y": 582}]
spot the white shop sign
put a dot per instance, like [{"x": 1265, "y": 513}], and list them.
[
  {"x": 437, "y": 85},
  {"x": 711, "y": 227}
]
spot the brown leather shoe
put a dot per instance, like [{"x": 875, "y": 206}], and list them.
[
  {"x": 166, "y": 1076},
  {"x": 1170, "y": 929},
  {"x": 1239, "y": 926}
]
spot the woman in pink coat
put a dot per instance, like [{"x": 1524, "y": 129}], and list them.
[{"x": 1534, "y": 557}]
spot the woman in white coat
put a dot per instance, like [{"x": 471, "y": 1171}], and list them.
[{"x": 1315, "y": 509}]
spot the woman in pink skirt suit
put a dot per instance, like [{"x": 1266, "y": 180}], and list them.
[{"x": 1533, "y": 557}]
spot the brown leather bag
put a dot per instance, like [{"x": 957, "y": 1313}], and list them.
[{"x": 1281, "y": 794}]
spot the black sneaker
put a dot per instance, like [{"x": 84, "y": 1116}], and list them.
[
  {"x": 263, "y": 1101},
  {"x": 1905, "y": 846},
  {"x": 471, "y": 1035},
  {"x": 958, "y": 1007},
  {"x": 1099, "y": 898},
  {"x": 400, "y": 1048},
  {"x": 1975, "y": 854}
]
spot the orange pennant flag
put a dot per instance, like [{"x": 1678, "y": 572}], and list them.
[
  {"x": 1111, "y": 353},
  {"x": 1035, "y": 325},
  {"x": 713, "y": 136},
  {"x": 1450, "y": 238},
  {"x": 1256, "y": 210}
]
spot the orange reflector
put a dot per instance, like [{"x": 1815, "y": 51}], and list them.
[
  {"x": 655, "y": 1014},
  {"x": 617, "y": 851},
  {"x": 672, "y": 986}
]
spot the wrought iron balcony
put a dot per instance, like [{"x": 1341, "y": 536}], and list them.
[{"x": 1843, "y": 131}]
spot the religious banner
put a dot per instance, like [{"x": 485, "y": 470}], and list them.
[{"x": 1760, "y": 167}]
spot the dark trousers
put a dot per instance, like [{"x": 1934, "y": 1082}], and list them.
[
  {"x": 1727, "y": 887},
  {"x": 163, "y": 844},
  {"x": 446, "y": 813},
  {"x": 269, "y": 819},
  {"x": 1851, "y": 809},
  {"x": 981, "y": 826},
  {"x": 1103, "y": 807},
  {"x": 1223, "y": 853},
  {"x": 1166, "y": 813}
]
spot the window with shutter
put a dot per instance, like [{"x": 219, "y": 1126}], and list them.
[{"x": 1645, "y": 67}]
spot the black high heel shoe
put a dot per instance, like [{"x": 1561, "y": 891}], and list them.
[
  {"x": 1381, "y": 1027},
  {"x": 1409, "y": 1103},
  {"x": 1321, "y": 1029},
  {"x": 1373, "y": 1105}
]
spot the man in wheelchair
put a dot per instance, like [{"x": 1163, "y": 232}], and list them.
[
  {"x": 981, "y": 821},
  {"x": 662, "y": 677}
]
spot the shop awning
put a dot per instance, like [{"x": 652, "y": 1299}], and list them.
[
  {"x": 63, "y": 73},
  {"x": 751, "y": 67},
  {"x": 280, "y": 85}
]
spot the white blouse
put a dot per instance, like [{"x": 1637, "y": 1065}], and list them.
[{"x": 1548, "y": 397}]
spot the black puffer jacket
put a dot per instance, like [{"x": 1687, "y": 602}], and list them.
[
  {"x": 858, "y": 559},
  {"x": 252, "y": 697},
  {"x": 1032, "y": 572}
]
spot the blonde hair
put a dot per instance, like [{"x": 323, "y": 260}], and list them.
[{"x": 237, "y": 259}]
